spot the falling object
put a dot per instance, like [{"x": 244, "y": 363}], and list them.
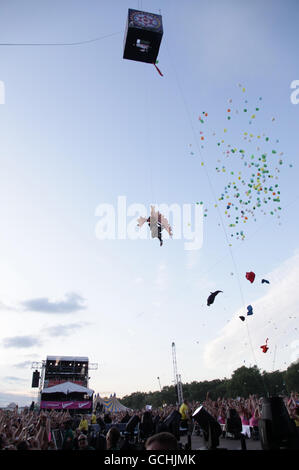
[
  {"x": 249, "y": 310},
  {"x": 265, "y": 347},
  {"x": 212, "y": 296},
  {"x": 250, "y": 276}
]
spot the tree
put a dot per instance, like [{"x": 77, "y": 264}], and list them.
[
  {"x": 274, "y": 382},
  {"x": 246, "y": 381},
  {"x": 292, "y": 377},
  {"x": 135, "y": 401}
]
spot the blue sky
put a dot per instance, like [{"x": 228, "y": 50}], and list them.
[{"x": 80, "y": 127}]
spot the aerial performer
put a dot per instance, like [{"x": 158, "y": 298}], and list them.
[{"x": 157, "y": 222}]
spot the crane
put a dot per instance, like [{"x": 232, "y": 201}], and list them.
[{"x": 177, "y": 377}]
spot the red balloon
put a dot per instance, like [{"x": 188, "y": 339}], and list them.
[
  {"x": 250, "y": 276},
  {"x": 265, "y": 347}
]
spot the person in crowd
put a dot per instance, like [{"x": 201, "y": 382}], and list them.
[
  {"x": 185, "y": 414},
  {"x": 68, "y": 438},
  {"x": 112, "y": 438},
  {"x": 107, "y": 418},
  {"x": 22, "y": 445},
  {"x": 83, "y": 443},
  {"x": 254, "y": 424},
  {"x": 101, "y": 423},
  {"x": 125, "y": 418},
  {"x": 76, "y": 438},
  {"x": 83, "y": 426},
  {"x": 222, "y": 420},
  {"x": 146, "y": 426},
  {"x": 93, "y": 419},
  {"x": 162, "y": 441}
]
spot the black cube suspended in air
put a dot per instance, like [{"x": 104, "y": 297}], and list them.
[{"x": 143, "y": 36}]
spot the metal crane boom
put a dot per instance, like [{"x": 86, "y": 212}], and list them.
[{"x": 177, "y": 377}]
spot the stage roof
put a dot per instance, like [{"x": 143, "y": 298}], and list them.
[{"x": 67, "y": 358}]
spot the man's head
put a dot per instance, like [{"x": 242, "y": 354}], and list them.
[
  {"x": 82, "y": 441},
  {"x": 112, "y": 437},
  {"x": 162, "y": 441}
]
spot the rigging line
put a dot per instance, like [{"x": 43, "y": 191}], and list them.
[
  {"x": 146, "y": 92},
  {"x": 214, "y": 196},
  {"x": 62, "y": 43}
]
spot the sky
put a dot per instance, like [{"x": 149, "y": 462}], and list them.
[{"x": 82, "y": 127}]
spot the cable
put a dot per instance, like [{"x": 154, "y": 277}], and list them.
[{"x": 61, "y": 43}]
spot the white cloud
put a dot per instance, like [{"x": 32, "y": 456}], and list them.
[
  {"x": 274, "y": 317},
  {"x": 73, "y": 303},
  {"x": 21, "y": 342},
  {"x": 64, "y": 330}
]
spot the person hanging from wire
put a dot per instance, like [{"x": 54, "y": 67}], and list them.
[{"x": 157, "y": 222}]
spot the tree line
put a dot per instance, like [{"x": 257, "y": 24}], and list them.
[{"x": 244, "y": 381}]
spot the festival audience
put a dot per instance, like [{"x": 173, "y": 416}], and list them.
[{"x": 34, "y": 430}]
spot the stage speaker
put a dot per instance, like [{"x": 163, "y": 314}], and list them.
[
  {"x": 132, "y": 423},
  {"x": 172, "y": 423},
  {"x": 35, "y": 379},
  {"x": 211, "y": 428},
  {"x": 276, "y": 427}
]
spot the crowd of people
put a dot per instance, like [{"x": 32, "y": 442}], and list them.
[{"x": 31, "y": 429}]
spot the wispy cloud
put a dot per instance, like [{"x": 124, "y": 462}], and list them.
[
  {"x": 23, "y": 365},
  {"x": 14, "y": 379},
  {"x": 73, "y": 303},
  {"x": 4, "y": 306},
  {"x": 64, "y": 330},
  {"x": 21, "y": 342}
]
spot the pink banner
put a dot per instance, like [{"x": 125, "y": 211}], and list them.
[{"x": 65, "y": 405}]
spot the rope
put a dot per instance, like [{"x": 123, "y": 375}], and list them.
[{"x": 88, "y": 41}]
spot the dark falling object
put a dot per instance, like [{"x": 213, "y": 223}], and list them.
[
  {"x": 143, "y": 36},
  {"x": 265, "y": 280},
  {"x": 242, "y": 318},
  {"x": 211, "y": 297},
  {"x": 249, "y": 310}
]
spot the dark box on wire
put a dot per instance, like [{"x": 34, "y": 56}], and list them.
[{"x": 143, "y": 36}]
